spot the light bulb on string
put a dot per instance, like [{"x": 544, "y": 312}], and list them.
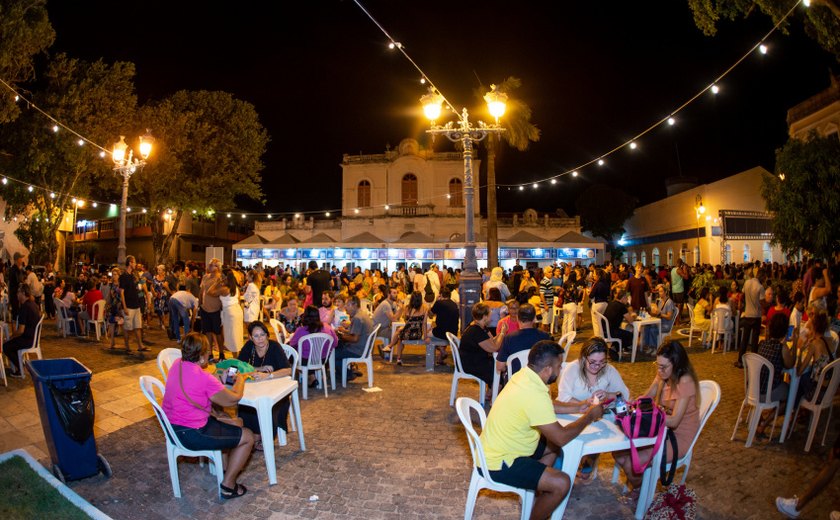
[
  {"x": 102, "y": 154},
  {"x": 55, "y": 128},
  {"x": 535, "y": 185},
  {"x": 81, "y": 142},
  {"x": 17, "y": 98},
  {"x": 228, "y": 215},
  {"x": 144, "y": 210},
  {"x": 269, "y": 216},
  {"x": 633, "y": 145},
  {"x": 128, "y": 210},
  {"x": 600, "y": 162},
  {"x": 521, "y": 188},
  {"x": 30, "y": 188},
  {"x": 387, "y": 207},
  {"x": 553, "y": 181},
  {"x": 52, "y": 195},
  {"x": 762, "y": 49},
  {"x": 422, "y": 81},
  {"x": 95, "y": 205},
  {"x": 5, "y": 180},
  {"x": 327, "y": 214},
  {"x": 671, "y": 121},
  {"x": 574, "y": 173},
  {"x": 715, "y": 89},
  {"x": 356, "y": 211}
]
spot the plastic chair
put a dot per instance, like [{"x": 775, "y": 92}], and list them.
[
  {"x": 165, "y": 358},
  {"x": 280, "y": 333},
  {"x": 565, "y": 343},
  {"x": 294, "y": 359},
  {"x": 605, "y": 328},
  {"x": 319, "y": 350},
  {"x": 692, "y": 326},
  {"x": 556, "y": 312},
  {"x": 522, "y": 359},
  {"x": 35, "y": 349},
  {"x": 151, "y": 386},
  {"x": 754, "y": 397},
  {"x": 709, "y": 399},
  {"x": 365, "y": 305},
  {"x": 819, "y": 402},
  {"x": 458, "y": 374},
  {"x": 98, "y": 311},
  {"x": 366, "y": 358},
  {"x": 63, "y": 319},
  {"x": 721, "y": 326},
  {"x": 482, "y": 480},
  {"x": 833, "y": 342}
]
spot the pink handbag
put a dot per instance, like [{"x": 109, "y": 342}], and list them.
[{"x": 643, "y": 419}]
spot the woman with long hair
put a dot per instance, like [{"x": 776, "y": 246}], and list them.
[
  {"x": 414, "y": 314},
  {"x": 677, "y": 390},
  {"x": 188, "y": 403},
  {"x": 311, "y": 324}
]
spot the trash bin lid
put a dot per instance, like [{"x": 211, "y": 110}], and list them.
[{"x": 58, "y": 369}]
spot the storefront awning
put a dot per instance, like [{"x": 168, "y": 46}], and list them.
[
  {"x": 576, "y": 240},
  {"x": 253, "y": 241}
]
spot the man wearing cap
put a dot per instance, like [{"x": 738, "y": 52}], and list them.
[{"x": 16, "y": 277}]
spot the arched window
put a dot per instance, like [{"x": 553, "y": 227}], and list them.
[
  {"x": 728, "y": 254},
  {"x": 654, "y": 257},
  {"x": 363, "y": 191},
  {"x": 670, "y": 257},
  {"x": 767, "y": 252},
  {"x": 456, "y": 193},
  {"x": 747, "y": 255},
  {"x": 644, "y": 258},
  {"x": 409, "y": 189}
]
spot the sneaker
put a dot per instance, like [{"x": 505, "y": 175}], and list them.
[{"x": 787, "y": 506}]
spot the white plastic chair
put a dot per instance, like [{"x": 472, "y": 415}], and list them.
[
  {"x": 98, "y": 322},
  {"x": 280, "y": 333},
  {"x": 35, "y": 349},
  {"x": 753, "y": 364},
  {"x": 483, "y": 480},
  {"x": 458, "y": 374},
  {"x": 819, "y": 402},
  {"x": 556, "y": 313},
  {"x": 605, "y": 329},
  {"x": 294, "y": 359},
  {"x": 63, "y": 319},
  {"x": 366, "y": 358},
  {"x": 565, "y": 343},
  {"x": 365, "y": 305},
  {"x": 721, "y": 327},
  {"x": 319, "y": 348},
  {"x": 165, "y": 358},
  {"x": 522, "y": 359},
  {"x": 151, "y": 386},
  {"x": 833, "y": 342},
  {"x": 692, "y": 326}
]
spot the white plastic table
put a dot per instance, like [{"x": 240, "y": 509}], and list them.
[
  {"x": 637, "y": 327},
  {"x": 263, "y": 395},
  {"x": 792, "y": 389},
  {"x": 601, "y": 437}
]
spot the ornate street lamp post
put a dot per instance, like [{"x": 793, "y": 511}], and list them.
[
  {"x": 126, "y": 165},
  {"x": 464, "y": 132}
]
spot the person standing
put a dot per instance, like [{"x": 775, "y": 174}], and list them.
[
  {"x": 679, "y": 275},
  {"x": 599, "y": 295},
  {"x": 182, "y": 310},
  {"x": 16, "y": 277},
  {"x": 233, "y": 325},
  {"x": 319, "y": 280},
  {"x": 750, "y": 322},
  {"x": 211, "y": 306},
  {"x": 193, "y": 282},
  {"x": 132, "y": 305},
  {"x": 547, "y": 298},
  {"x": 251, "y": 299}
]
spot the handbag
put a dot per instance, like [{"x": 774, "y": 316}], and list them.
[
  {"x": 677, "y": 502},
  {"x": 218, "y": 414},
  {"x": 643, "y": 419}
]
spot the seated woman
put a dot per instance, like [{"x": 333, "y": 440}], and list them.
[
  {"x": 590, "y": 380},
  {"x": 270, "y": 362},
  {"x": 477, "y": 346},
  {"x": 815, "y": 353},
  {"x": 676, "y": 389},
  {"x": 415, "y": 315},
  {"x": 510, "y": 323},
  {"x": 188, "y": 403},
  {"x": 290, "y": 314},
  {"x": 496, "y": 306},
  {"x": 701, "y": 310},
  {"x": 777, "y": 352},
  {"x": 311, "y": 324}
]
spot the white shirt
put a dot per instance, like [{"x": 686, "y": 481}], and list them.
[
  {"x": 572, "y": 387},
  {"x": 186, "y": 299}
]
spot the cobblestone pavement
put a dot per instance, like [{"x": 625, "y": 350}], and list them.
[{"x": 402, "y": 453}]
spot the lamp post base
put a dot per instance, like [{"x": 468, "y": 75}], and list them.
[{"x": 469, "y": 291}]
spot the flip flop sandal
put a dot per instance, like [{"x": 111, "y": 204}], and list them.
[
  {"x": 228, "y": 493},
  {"x": 143, "y": 349},
  {"x": 258, "y": 446}
]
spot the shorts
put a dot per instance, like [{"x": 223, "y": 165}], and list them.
[
  {"x": 678, "y": 297},
  {"x": 133, "y": 319},
  {"x": 547, "y": 317},
  {"x": 214, "y": 435},
  {"x": 525, "y": 472},
  {"x": 211, "y": 321}
]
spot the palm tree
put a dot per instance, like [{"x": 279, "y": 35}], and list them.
[{"x": 519, "y": 133}]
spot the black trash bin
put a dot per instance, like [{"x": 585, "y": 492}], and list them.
[{"x": 65, "y": 403}]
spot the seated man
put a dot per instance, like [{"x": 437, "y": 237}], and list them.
[
  {"x": 22, "y": 338},
  {"x": 618, "y": 310},
  {"x": 352, "y": 340},
  {"x": 447, "y": 316},
  {"x": 522, "y": 339},
  {"x": 522, "y": 438}
]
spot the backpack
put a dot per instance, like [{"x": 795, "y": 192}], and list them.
[{"x": 430, "y": 294}]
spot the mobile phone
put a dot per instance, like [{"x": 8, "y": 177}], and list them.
[{"x": 230, "y": 376}]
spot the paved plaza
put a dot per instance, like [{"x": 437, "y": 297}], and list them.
[{"x": 398, "y": 453}]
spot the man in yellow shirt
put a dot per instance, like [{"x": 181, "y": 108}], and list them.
[{"x": 522, "y": 437}]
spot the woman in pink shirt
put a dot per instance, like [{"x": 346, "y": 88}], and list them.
[
  {"x": 311, "y": 324},
  {"x": 188, "y": 403}
]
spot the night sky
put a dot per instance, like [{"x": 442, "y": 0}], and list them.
[{"x": 595, "y": 73}]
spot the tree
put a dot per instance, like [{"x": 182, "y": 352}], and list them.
[
  {"x": 821, "y": 19},
  {"x": 25, "y": 32},
  {"x": 519, "y": 133},
  {"x": 804, "y": 197},
  {"x": 94, "y": 99},
  {"x": 207, "y": 152},
  {"x": 603, "y": 211}
]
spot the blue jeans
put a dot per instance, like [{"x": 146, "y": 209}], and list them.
[
  {"x": 652, "y": 334},
  {"x": 178, "y": 315}
]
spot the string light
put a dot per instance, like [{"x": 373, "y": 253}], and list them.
[
  {"x": 574, "y": 173},
  {"x": 30, "y": 189},
  {"x": 81, "y": 142},
  {"x": 600, "y": 162},
  {"x": 762, "y": 49},
  {"x": 55, "y": 128},
  {"x": 633, "y": 145},
  {"x": 144, "y": 210},
  {"x": 671, "y": 121},
  {"x": 715, "y": 89},
  {"x": 553, "y": 181},
  {"x": 534, "y": 185}
]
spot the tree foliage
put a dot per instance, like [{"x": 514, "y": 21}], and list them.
[
  {"x": 208, "y": 151},
  {"x": 821, "y": 19},
  {"x": 806, "y": 204},
  {"x": 94, "y": 99},
  {"x": 25, "y": 32},
  {"x": 603, "y": 211}
]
